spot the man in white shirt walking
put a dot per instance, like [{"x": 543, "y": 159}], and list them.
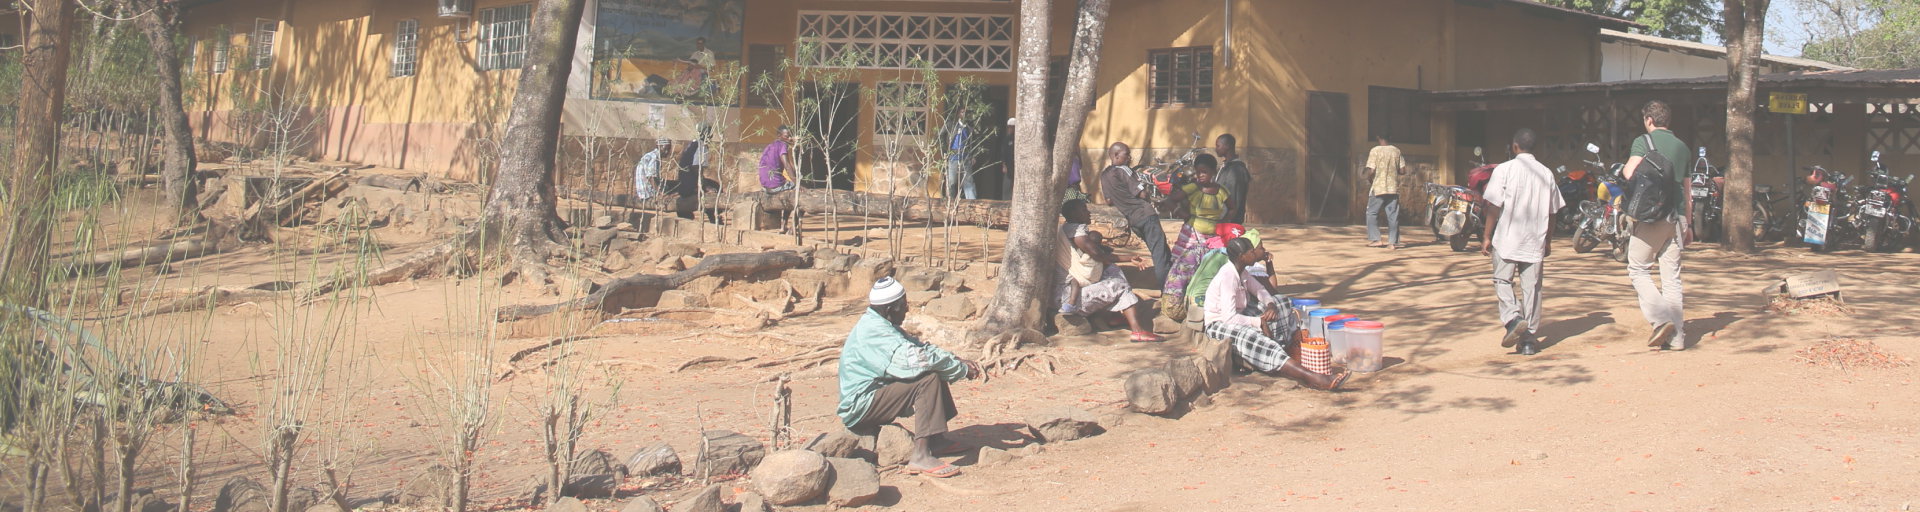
[{"x": 1521, "y": 200}]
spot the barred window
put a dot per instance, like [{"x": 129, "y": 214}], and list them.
[
  {"x": 503, "y": 36},
  {"x": 900, "y": 108},
  {"x": 406, "y": 47},
  {"x": 1180, "y": 77},
  {"x": 962, "y": 42},
  {"x": 264, "y": 31},
  {"x": 191, "y": 64},
  {"x": 222, "y": 48}
]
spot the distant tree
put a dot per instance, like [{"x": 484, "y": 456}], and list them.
[
  {"x": 162, "y": 28},
  {"x": 26, "y": 209},
  {"x": 1866, "y": 34},
  {"x": 1678, "y": 19}
]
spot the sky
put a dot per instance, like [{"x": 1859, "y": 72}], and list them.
[{"x": 1785, "y": 30}]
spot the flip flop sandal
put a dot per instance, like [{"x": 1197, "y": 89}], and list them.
[
  {"x": 1146, "y": 337},
  {"x": 944, "y": 470},
  {"x": 1339, "y": 380}
]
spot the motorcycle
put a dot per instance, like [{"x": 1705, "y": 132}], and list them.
[
  {"x": 1601, "y": 219},
  {"x": 1454, "y": 211},
  {"x": 1824, "y": 203},
  {"x": 1883, "y": 214},
  {"x": 1166, "y": 175},
  {"x": 1576, "y": 186},
  {"x": 1706, "y": 187}
]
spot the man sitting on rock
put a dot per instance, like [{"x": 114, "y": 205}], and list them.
[{"x": 886, "y": 374}]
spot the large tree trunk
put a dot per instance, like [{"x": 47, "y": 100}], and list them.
[
  {"x": 178, "y": 162},
  {"x": 27, "y": 200},
  {"x": 1028, "y": 263},
  {"x": 521, "y": 211},
  {"x": 1746, "y": 28}
]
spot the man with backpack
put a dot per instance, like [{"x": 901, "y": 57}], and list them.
[{"x": 1656, "y": 203}]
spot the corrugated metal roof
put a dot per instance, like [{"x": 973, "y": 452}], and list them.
[
  {"x": 1845, "y": 79},
  {"x": 1602, "y": 20},
  {"x": 1707, "y": 50}
]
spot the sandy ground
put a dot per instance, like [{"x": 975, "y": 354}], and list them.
[{"x": 1595, "y": 422}]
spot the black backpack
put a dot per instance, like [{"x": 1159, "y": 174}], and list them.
[{"x": 1651, "y": 194}]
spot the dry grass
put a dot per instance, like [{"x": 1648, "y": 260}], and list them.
[
  {"x": 1849, "y": 354},
  {"x": 1818, "y": 306}
]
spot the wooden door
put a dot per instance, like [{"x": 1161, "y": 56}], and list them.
[{"x": 1329, "y": 169}]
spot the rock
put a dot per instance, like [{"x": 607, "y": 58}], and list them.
[
  {"x": 678, "y": 250},
  {"x": 921, "y": 298},
  {"x": 791, "y": 477},
  {"x": 567, "y": 505},
  {"x": 624, "y": 226},
  {"x": 597, "y": 462},
  {"x": 1074, "y": 325},
  {"x": 752, "y": 502},
  {"x": 954, "y": 307},
  {"x": 836, "y": 443},
  {"x": 687, "y": 262},
  {"x": 955, "y": 283},
  {"x": 921, "y": 280},
  {"x": 641, "y": 504},
  {"x": 1062, "y": 423},
  {"x": 854, "y": 482},
  {"x": 616, "y": 262},
  {"x": 840, "y": 263},
  {"x": 143, "y": 501},
  {"x": 1030, "y": 450},
  {"x": 1215, "y": 362},
  {"x": 1187, "y": 381},
  {"x": 431, "y": 489},
  {"x": 681, "y": 299},
  {"x": 708, "y": 500},
  {"x": 1149, "y": 391},
  {"x": 318, "y": 507},
  {"x": 603, "y": 222},
  {"x": 990, "y": 456},
  {"x": 728, "y": 453},
  {"x": 868, "y": 270},
  {"x": 599, "y": 237},
  {"x": 894, "y": 446},
  {"x": 592, "y": 486},
  {"x": 655, "y": 460},
  {"x": 241, "y": 494}
]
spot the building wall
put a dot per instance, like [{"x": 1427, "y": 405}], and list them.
[
  {"x": 1283, "y": 49},
  {"x": 1620, "y": 61}
]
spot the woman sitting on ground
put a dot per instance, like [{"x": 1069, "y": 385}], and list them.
[
  {"x": 1090, "y": 281},
  {"x": 1205, "y": 202},
  {"x": 1241, "y": 311}
]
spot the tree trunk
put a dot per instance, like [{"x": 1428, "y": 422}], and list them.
[
  {"x": 179, "y": 160},
  {"x": 1028, "y": 264},
  {"x": 26, "y": 201},
  {"x": 522, "y": 209},
  {"x": 1746, "y": 28}
]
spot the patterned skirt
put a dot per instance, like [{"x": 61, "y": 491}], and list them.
[
  {"x": 1187, "y": 251},
  {"x": 1110, "y": 293}
]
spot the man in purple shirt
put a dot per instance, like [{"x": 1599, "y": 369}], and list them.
[{"x": 776, "y": 163}]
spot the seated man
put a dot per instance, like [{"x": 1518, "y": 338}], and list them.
[
  {"x": 886, "y": 374},
  {"x": 1240, "y": 310}
]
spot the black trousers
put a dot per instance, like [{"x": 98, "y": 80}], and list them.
[{"x": 926, "y": 398}]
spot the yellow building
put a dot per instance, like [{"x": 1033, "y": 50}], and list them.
[{"x": 1301, "y": 82}]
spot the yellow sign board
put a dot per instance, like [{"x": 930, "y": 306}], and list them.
[{"x": 1787, "y": 103}]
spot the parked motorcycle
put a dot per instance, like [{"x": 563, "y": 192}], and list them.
[
  {"x": 1601, "y": 220},
  {"x": 1883, "y": 213},
  {"x": 1706, "y": 186},
  {"x": 1576, "y": 186},
  {"x": 1825, "y": 209},
  {"x": 1454, "y": 211},
  {"x": 1166, "y": 175}
]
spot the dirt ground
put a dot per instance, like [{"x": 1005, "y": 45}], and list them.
[{"x": 1595, "y": 422}]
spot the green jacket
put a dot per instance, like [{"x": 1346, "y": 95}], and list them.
[
  {"x": 1203, "y": 277},
  {"x": 877, "y": 353}
]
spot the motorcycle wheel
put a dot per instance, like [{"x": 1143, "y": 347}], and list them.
[
  {"x": 1704, "y": 229},
  {"x": 1458, "y": 242},
  {"x": 1584, "y": 239},
  {"x": 1874, "y": 235},
  {"x": 1762, "y": 224},
  {"x": 1434, "y": 214},
  {"x": 1619, "y": 252}
]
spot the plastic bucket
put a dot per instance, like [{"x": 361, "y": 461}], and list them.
[
  {"x": 1317, "y": 322},
  {"x": 1337, "y": 339},
  {"x": 1364, "y": 344}
]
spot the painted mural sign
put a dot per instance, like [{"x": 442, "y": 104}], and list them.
[{"x": 664, "y": 50}]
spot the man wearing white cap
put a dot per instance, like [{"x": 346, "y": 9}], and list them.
[
  {"x": 646, "y": 174},
  {"x": 886, "y": 374}
]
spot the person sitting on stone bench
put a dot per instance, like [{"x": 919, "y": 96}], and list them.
[
  {"x": 886, "y": 374},
  {"x": 1240, "y": 310}
]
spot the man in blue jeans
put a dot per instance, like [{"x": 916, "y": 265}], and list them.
[
  {"x": 1384, "y": 169},
  {"x": 1126, "y": 192}
]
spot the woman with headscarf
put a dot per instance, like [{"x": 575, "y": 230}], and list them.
[{"x": 1240, "y": 310}]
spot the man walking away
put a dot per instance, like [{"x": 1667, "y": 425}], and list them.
[
  {"x": 1521, "y": 200},
  {"x": 1657, "y": 241},
  {"x": 1385, "y": 192},
  {"x": 776, "y": 163},
  {"x": 1233, "y": 177},
  {"x": 1127, "y": 192}
]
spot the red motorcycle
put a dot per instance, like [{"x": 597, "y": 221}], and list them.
[{"x": 1454, "y": 212}]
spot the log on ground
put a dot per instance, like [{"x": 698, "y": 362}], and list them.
[
  {"x": 972, "y": 212},
  {"x": 643, "y": 290}
]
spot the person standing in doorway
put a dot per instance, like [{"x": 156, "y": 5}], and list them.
[
  {"x": 960, "y": 163},
  {"x": 1125, "y": 191},
  {"x": 1657, "y": 241},
  {"x": 1233, "y": 177},
  {"x": 1384, "y": 169},
  {"x": 1521, "y": 200}
]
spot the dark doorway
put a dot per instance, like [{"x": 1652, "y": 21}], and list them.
[
  {"x": 993, "y": 150},
  {"x": 835, "y": 132},
  {"x": 1329, "y": 176}
]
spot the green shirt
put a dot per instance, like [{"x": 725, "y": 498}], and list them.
[
  {"x": 1203, "y": 277},
  {"x": 1670, "y": 147}
]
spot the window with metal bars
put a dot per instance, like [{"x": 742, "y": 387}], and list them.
[
  {"x": 1180, "y": 77},
  {"x": 406, "y": 48},
  {"x": 264, "y": 32},
  {"x": 222, "y": 47},
  {"x": 503, "y": 36},
  {"x": 900, "y": 108}
]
